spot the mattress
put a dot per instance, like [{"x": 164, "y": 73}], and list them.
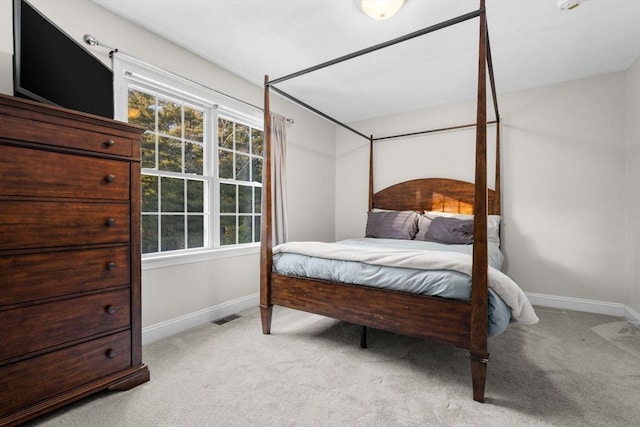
[{"x": 412, "y": 266}]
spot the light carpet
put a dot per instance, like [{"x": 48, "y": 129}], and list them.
[{"x": 571, "y": 369}]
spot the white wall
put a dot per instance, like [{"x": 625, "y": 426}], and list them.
[
  {"x": 447, "y": 154},
  {"x": 633, "y": 184},
  {"x": 563, "y": 180},
  {"x": 177, "y": 292},
  {"x": 564, "y": 188}
]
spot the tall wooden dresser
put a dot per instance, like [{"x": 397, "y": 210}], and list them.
[{"x": 70, "y": 321}]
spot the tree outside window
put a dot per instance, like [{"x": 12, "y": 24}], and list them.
[
  {"x": 240, "y": 149},
  {"x": 177, "y": 196}
]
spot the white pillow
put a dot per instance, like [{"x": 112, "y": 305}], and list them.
[{"x": 493, "y": 223}]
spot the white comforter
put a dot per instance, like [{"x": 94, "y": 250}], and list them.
[{"x": 506, "y": 288}]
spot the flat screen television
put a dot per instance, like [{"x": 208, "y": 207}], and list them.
[{"x": 49, "y": 66}]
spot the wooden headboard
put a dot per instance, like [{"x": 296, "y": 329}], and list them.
[{"x": 433, "y": 194}]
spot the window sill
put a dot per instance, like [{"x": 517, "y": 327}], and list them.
[{"x": 169, "y": 260}]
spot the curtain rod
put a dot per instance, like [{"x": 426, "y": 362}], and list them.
[{"x": 92, "y": 41}]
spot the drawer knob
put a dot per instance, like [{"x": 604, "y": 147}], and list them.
[
  {"x": 111, "y": 265},
  {"x": 111, "y": 222},
  {"x": 111, "y": 353},
  {"x": 110, "y": 309},
  {"x": 109, "y": 143},
  {"x": 109, "y": 178}
]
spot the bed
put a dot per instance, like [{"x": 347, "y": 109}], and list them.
[{"x": 463, "y": 319}]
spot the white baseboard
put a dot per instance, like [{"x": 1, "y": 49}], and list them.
[
  {"x": 589, "y": 306},
  {"x": 632, "y": 316},
  {"x": 179, "y": 324}
]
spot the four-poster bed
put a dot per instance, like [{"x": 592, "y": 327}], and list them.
[{"x": 463, "y": 323}]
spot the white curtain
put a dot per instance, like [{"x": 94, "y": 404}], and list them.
[{"x": 279, "y": 183}]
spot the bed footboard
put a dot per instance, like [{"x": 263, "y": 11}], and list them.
[{"x": 443, "y": 320}]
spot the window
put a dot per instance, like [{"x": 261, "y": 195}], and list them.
[
  {"x": 173, "y": 180},
  {"x": 240, "y": 173},
  {"x": 201, "y": 162}
]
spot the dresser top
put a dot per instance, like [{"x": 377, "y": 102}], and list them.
[{"x": 38, "y": 111}]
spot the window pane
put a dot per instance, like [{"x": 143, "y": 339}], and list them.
[
  {"x": 171, "y": 232},
  {"x": 149, "y": 233},
  {"x": 169, "y": 154},
  {"x": 172, "y": 197},
  {"x": 228, "y": 198},
  {"x": 141, "y": 109},
  {"x": 245, "y": 234},
  {"x": 225, "y": 134},
  {"x": 256, "y": 169},
  {"x": 149, "y": 193},
  {"x": 242, "y": 167},
  {"x": 195, "y": 234},
  {"x": 194, "y": 158},
  {"x": 245, "y": 199},
  {"x": 148, "y": 151},
  {"x": 195, "y": 196},
  {"x": 193, "y": 124},
  {"x": 256, "y": 142},
  {"x": 242, "y": 138},
  {"x": 257, "y": 200},
  {"x": 257, "y": 223},
  {"x": 169, "y": 117},
  {"x": 225, "y": 164},
  {"x": 227, "y": 230}
]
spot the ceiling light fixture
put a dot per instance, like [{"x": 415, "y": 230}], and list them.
[{"x": 381, "y": 9}]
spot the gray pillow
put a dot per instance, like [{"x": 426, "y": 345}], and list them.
[
  {"x": 423, "y": 226},
  {"x": 452, "y": 231},
  {"x": 392, "y": 225}
]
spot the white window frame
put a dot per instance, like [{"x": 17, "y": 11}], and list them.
[{"x": 128, "y": 70}]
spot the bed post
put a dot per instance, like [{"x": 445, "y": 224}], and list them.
[
  {"x": 479, "y": 291},
  {"x": 266, "y": 230},
  {"x": 370, "y": 173},
  {"x": 497, "y": 208}
]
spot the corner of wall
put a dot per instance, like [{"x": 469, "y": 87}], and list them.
[{"x": 633, "y": 185}]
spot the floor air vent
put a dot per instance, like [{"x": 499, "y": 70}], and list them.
[{"x": 227, "y": 319}]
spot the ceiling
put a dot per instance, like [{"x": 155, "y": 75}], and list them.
[{"x": 533, "y": 43}]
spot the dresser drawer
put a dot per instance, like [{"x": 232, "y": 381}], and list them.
[
  {"x": 37, "y": 173},
  {"x": 55, "y": 135},
  {"x": 32, "y": 380},
  {"x": 53, "y": 224},
  {"x": 30, "y": 277},
  {"x": 37, "y": 327}
]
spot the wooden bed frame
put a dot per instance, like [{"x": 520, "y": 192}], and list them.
[{"x": 460, "y": 323}]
